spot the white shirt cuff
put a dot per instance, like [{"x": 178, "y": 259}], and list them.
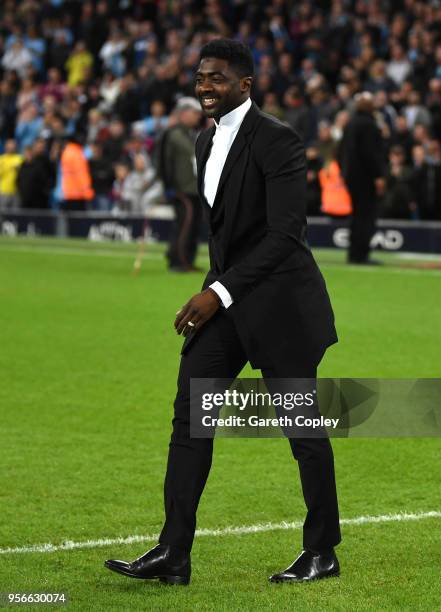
[{"x": 223, "y": 293}]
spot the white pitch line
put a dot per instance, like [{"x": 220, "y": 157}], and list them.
[
  {"x": 418, "y": 256},
  {"x": 244, "y": 530}
]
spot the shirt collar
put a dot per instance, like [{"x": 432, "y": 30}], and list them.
[{"x": 234, "y": 118}]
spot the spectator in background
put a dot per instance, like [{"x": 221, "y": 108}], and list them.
[
  {"x": 285, "y": 76},
  {"x": 308, "y": 72},
  {"x": 418, "y": 157},
  {"x": 177, "y": 169},
  {"x": 399, "y": 67},
  {"x": 59, "y": 53},
  {"x": 76, "y": 182},
  {"x": 17, "y": 58},
  {"x": 314, "y": 192},
  {"x": 113, "y": 145},
  {"x": 27, "y": 94},
  {"x": 35, "y": 178},
  {"x": 421, "y": 135},
  {"x": 325, "y": 142},
  {"x": 57, "y": 130},
  {"x": 298, "y": 113},
  {"x": 28, "y": 127},
  {"x": 266, "y": 65},
  {"x": 27, "y": 180},
  {"x": 127, "y": 105},
  {"x": 94, "y": 25},
  {"x": 402, "y": 136},
  {"x": 338, "y": 127},
  {"x": 109, "y": 91},
  {"x": 433, "y": 104},
  {"x": 78, "y": 64},
  {"x": 74, "y": 115},
  {"x": 112, "y": 53},
  {"x": 437, "y": 67},
  {"x": 427, "y": 180},
  {"x": 137, "y": 145},
  {"x": 54, "y": 86},
  {"x": 155, "y": 123},
  {"x": 399, "y": 201},
  {"x": 10, "y": 162},
  {"x": 145, "y": 39},
  {"x": 261, "y": 86},
  {"x": 97, "y": 126},
  {"x": 119, "y": 192},
  {"x": 8, "y": 110},
  {"x": 385, "y": 112},
  {"x": 103, "y": 176},
  {"x": 89, "y": 96},
  {"x": 378, "y": 79},
  {"x": 272, "y": 107},
  {"x": 335, "y": 198},
  {"x": 415, "y": 112},
  {"x": 322, "y": 107},
  {"x": 46, "y": 166},
  {"x": 37, "y": 46},
  {"x": 141, "y": 187},
  {"x": 145, "y": 77},
  {"x": 361, "y": 162}
]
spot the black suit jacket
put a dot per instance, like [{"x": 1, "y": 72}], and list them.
[
  {"x": 361, "y": 153},
  {"x": 257, "y": 247}
]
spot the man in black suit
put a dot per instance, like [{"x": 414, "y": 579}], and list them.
[
  {"x": 263, "y": 301},
  {"x": 362, "y": 163}
]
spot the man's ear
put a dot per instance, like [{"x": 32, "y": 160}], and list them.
[{"x": 245, "y": 84}]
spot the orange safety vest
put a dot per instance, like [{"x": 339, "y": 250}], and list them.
[
  {"x": 335, "y": 196},
  {"x": 76, "y": 182}
]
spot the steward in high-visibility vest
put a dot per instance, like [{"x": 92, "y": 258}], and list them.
[
  {"x": 76, "y": 182},
  {"x": 336, "y": 200}
]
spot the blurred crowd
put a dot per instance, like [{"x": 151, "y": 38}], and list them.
[{"x": 95, "y": 84}]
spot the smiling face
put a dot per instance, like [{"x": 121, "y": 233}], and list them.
[{"x": 219, "y": 88}]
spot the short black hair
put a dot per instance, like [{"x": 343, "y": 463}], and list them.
[{"x": 237, "y": 54}]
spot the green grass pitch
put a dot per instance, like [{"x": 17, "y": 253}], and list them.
[{"x": 88, "y": 363}]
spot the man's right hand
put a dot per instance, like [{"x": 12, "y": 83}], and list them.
[{"x": 197, "y": 311}]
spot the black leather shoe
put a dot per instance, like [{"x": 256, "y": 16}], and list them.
[
  {"x": 309, "y": 566},
  {"x": 165, "y": 562}
]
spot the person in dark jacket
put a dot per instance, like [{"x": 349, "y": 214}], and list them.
[
  {"x": 427, "y": 180},
  {"x": 177, "y": 169},
  {"x": 127, "y": 104},
  {"x": 362, "y": 164},
  {"x": 35, "y": 177},
  {"x": 399, "y": 201},
  {"x": 103, "y": 175}
]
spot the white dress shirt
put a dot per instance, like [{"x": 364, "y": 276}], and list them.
[{"x": 226, "y": 132}]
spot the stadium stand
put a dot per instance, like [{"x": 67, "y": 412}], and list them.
[{"x": 110, "y": 73}]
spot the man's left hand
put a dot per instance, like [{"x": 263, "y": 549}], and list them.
[{"x": 197, "y": 311}]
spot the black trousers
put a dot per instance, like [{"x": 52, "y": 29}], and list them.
[
  {"x": 364, "y": 215},
  {"x": 185, "y": 231},
  {"x": 217, "y": 352}
]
